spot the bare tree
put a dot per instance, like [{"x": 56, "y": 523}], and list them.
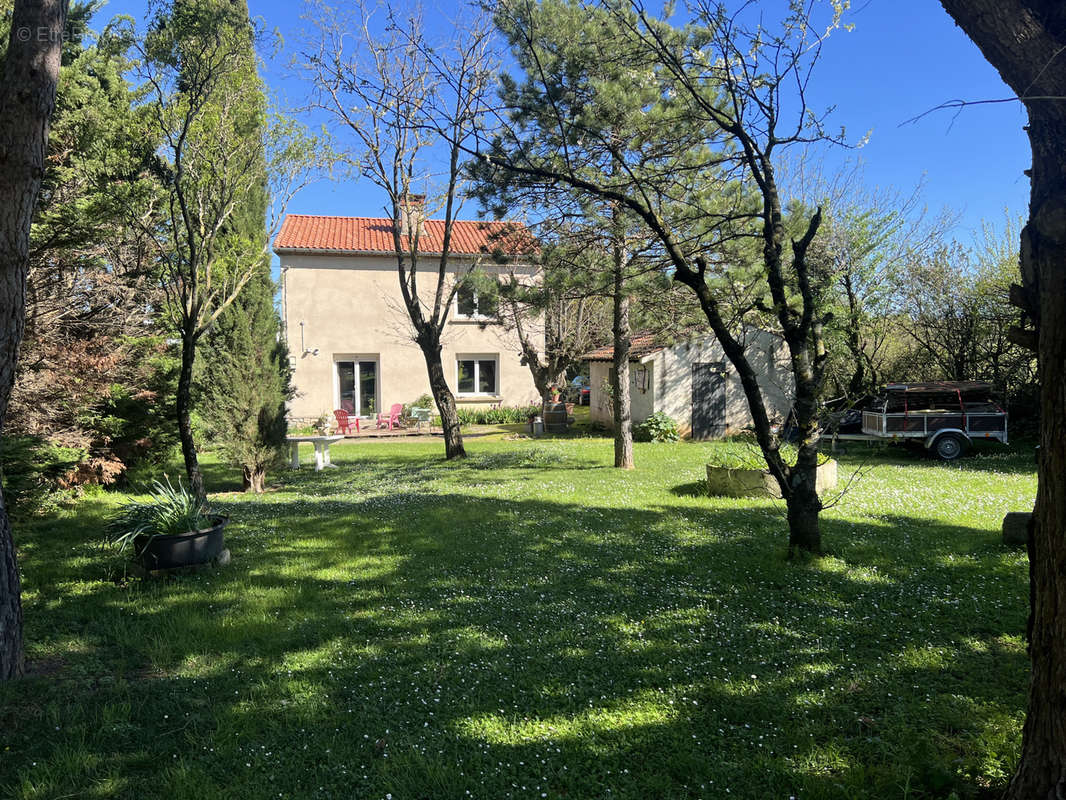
[
  {"x": 393, "y": 94},
  {"x": 559, "y": 316},
  {"x": 27, "y": 97},
  {"x": 207, "y": 106},
  {"x": 868, "y": 242}
]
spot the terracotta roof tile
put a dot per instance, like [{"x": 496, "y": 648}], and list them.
[
  {"x": 641, "y": 344},
  {"x": 310, "y": 232}
]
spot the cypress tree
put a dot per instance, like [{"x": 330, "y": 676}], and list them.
[
  {"x": 246, "y": 380},
  {"x": 245, "y": 377}
]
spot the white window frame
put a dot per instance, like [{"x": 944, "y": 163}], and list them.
[
  {"x": 477, "y": 316},
  {"x": 477, "y": 358},
  {"x": 355, "y": 358}
]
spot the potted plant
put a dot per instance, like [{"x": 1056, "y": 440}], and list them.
[
  {"x": 173, "y": 528},
  {"x": 737, "y": 469},
  {"x": 322, "y": 425}
]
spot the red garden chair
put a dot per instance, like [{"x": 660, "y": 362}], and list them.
[
  {"x": 344, "y": 422},
  {"x": 392, "y": 419}
]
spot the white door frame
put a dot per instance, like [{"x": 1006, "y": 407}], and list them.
[{"x": 355, "y": 359}]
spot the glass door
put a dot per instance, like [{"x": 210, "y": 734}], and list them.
[
  {"x": 346, "y": 382},
  {"x": 368, "y": 388},
  {"x": 357, "y": 384}
]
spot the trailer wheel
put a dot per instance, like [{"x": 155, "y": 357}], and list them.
[{"x": 949, "y": 446}]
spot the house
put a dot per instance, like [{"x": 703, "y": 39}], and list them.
[
  {"x": 350, "y": 337},
  {"x": 693, "y": 382}
]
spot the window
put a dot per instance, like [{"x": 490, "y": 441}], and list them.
[
  {"x": 466, "y": 301},
  {"x": 477, "y": 376},
  {"x": 471, "y": 304},
  {"x": 357, "y": 386}
]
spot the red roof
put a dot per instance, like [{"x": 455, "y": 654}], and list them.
[
  {"x": 311, "y": 232},
  {"x": 640, "y": 345}
]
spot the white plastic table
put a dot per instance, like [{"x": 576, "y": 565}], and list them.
[{"x": 321, "y": 444}]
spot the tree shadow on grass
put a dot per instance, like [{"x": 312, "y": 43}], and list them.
[
  {"x": 690, "y": 489},
  {"x": 1018, "y": 458},
  {"x": 422, "y": 643}
]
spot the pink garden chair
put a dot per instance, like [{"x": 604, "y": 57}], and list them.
[
  {"x": 344, "y": 421},
  {"x": 392, "y": 419}
]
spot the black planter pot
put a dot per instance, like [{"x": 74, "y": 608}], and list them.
[{"x": 181, "y": 549}]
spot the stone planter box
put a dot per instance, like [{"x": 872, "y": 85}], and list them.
[{"x": 729, "y": 482}]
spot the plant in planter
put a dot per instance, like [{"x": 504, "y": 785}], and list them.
[
  {"x": 737, "y": 469},
  {"x": 173, "y": 528},
  {"x": 322, "y": 425},
  {"x": 425, "y": 401}
]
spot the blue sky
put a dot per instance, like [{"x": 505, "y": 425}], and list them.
[{"x": 903, "y": 58}]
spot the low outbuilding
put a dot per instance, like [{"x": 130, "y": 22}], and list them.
[{"x": 690, "y": 379}]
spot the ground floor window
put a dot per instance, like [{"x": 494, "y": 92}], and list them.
[
  {"x": 477, "y": 375},
  {"x": 357, "y": 383}
]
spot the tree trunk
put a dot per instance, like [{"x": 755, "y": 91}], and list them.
[
  {"x": 27, "y": 96},
  {"x": 622, "y": 408},
  {"x": 10, "y": 603},
  {"x": 853, "y": 337},
  {"x": 1042, "y": 770},
  {"x": 449, "y": 418},
  {"x": 803, "y": 504},
  {"x": 254, "y": 479},
  {"x": 184, "y": 410},
  {"x": 1023, "y": 40},
  {"x": 555, "y": 359}
]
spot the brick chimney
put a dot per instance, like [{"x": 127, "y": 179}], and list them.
[{"x": 412, "y": 213}]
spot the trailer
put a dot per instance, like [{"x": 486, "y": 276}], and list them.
[{"x": 946, "y": 416}]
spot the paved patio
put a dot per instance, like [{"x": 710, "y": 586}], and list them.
[{"x": 395, "y": 433}]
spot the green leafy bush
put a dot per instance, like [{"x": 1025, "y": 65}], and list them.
[
  {"x": 659, "y": 427},
  {"x": 743, "y": 452},
  {"x": 135, "y": 421},
  {"x": 423, "y": 401},
  {"x": 34, "y": 470},
  {"x": 168, "y": 510}
]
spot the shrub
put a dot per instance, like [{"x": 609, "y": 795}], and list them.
[
  {"x": 497, "y": 415},
  {"x": 134, "y": 423},
  {"x": 659, "y": 427},
  {"x": 35, "y": 473},
  {"x": 422, "y": 401}
]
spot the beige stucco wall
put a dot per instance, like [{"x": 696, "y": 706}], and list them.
[
  {"x": 599, "y": 373},
  {"x": 642, "y": 400},
  {"x": 670, "y": 381},
  {"x": 351, "y": 309},
  {"x": 769, "y": 358}
]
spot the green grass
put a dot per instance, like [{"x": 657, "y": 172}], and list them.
[{"x": 531, "y": 623}]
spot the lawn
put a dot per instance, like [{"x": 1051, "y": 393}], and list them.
[{"x": 531, "y": 623}]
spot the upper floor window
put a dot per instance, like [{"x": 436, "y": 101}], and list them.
[{"x": 472, "y": 304}]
